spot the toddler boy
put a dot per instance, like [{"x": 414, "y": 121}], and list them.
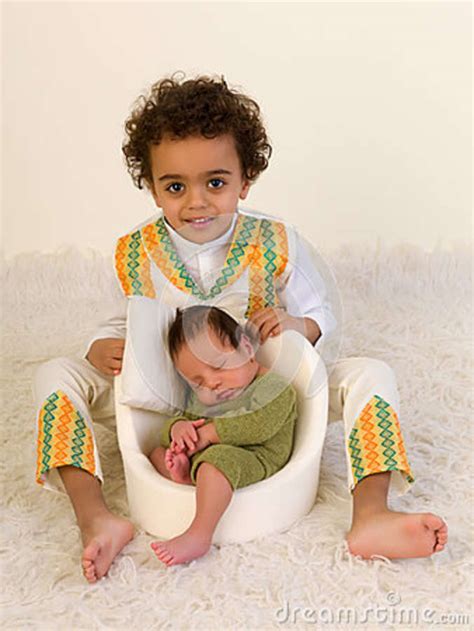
[{"x": 198, "y": 147}]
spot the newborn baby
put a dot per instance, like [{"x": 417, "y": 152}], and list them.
[{"x": 238, "y": 426}]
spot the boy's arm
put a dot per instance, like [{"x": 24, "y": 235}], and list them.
[
  {"x": 113, "y": 326},
  {"x": 105, "y": 350},
  {"x": 114, "y": 322},
  {"x": 303, "y": 293}
]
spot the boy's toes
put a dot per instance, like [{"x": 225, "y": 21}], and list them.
[
  {"x": 442, "y": 539},
  {"x": 89, "y": 572},
  {"x": 443, "y": 532},
  {"x": 438, "y": 527},
  {"x": 442, "y": 542},
  {"x": 432, "y": 522}
]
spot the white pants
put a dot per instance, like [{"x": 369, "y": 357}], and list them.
[{"x": 362, "y": 392}]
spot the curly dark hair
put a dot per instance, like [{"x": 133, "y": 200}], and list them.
[{"x": 203, "y": 106}]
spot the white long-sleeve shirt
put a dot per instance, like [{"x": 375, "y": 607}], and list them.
[{"x": 301, "y": 288}]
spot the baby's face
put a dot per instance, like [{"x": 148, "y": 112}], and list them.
[
  {"x": 216, "y": 371},
  {"x": 197, "y": 182}
]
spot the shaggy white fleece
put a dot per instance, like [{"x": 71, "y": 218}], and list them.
[{"x": 401, "y": 304}]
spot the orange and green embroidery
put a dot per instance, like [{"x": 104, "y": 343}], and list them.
[
  {"x": 133, "y": 266},
  {"x": 268, "y": 262},
  {"x": 259, "y": 244},
  {"x": 163, "y": 253},
  {"x": 376, "y": 443},
  {"x": 63, "y": 437}
]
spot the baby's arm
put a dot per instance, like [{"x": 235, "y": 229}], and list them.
[
  {"x": 252, "y": 428},
  {"x": 184, "y": 434},
  {"x": 167, "y": 435}
]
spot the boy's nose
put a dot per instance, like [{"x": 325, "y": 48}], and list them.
[{"x": 197, "y": 199}]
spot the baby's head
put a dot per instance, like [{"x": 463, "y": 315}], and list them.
[
  {"x": 212, "y": 353},
  {"x": 197, "y": 146}
]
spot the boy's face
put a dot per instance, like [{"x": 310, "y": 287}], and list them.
[
  {"x": 197, "y": 182},
  {"x": 215, "y": 370}
]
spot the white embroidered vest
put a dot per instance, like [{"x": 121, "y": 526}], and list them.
[{"x": 156, "y": 281}]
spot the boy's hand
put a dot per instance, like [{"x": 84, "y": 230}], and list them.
[
  {"x": 184, "y": 435},
  {"x": 272, "y": 321},
  {"x": 106, "y": 355}
]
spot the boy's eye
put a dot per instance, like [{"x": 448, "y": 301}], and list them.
[
  {"x": 173, "y": 184},
  {"x": 217, "y": 180}
]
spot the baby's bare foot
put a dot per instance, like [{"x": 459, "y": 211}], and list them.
[
  {"x": 179, "y": 466},
  {"x": 397, "y": 535},
  {"x": 182, "y": 549},
  {"x": 103, "y": 540}
]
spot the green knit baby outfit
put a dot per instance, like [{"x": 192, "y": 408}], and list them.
[{"x": 256, "y": 430}]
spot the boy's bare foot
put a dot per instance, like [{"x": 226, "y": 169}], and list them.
[
  {"x": 186, "y": 547},
  {"x": 103, "y": 539},
  {"x": 397, "y": 535},
  {"x": 178, "y": 466}
]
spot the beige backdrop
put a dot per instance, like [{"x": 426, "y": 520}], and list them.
[{"x": 367, "y": 106}]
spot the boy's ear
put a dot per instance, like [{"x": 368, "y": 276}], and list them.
[
  {"x": 150, "y": 186},
  {"x": 245, "y": 189}
]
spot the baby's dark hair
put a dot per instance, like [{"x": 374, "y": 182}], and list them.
[
  {"x": 191, "y": 321},
  {"x": 204, "y": 106}
]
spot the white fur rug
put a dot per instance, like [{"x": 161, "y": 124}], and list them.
[{"x": 409, "y": 308}]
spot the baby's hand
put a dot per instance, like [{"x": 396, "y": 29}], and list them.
[
  {"x": 106, "y": 355},
  {"x": 206, "y": 436},
  {"x": 184, "y": 434}
]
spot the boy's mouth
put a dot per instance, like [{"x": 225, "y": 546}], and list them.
[{"x": 200, "y": 222}]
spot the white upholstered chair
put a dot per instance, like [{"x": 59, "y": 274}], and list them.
[{"x": 165, "y": 509}]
